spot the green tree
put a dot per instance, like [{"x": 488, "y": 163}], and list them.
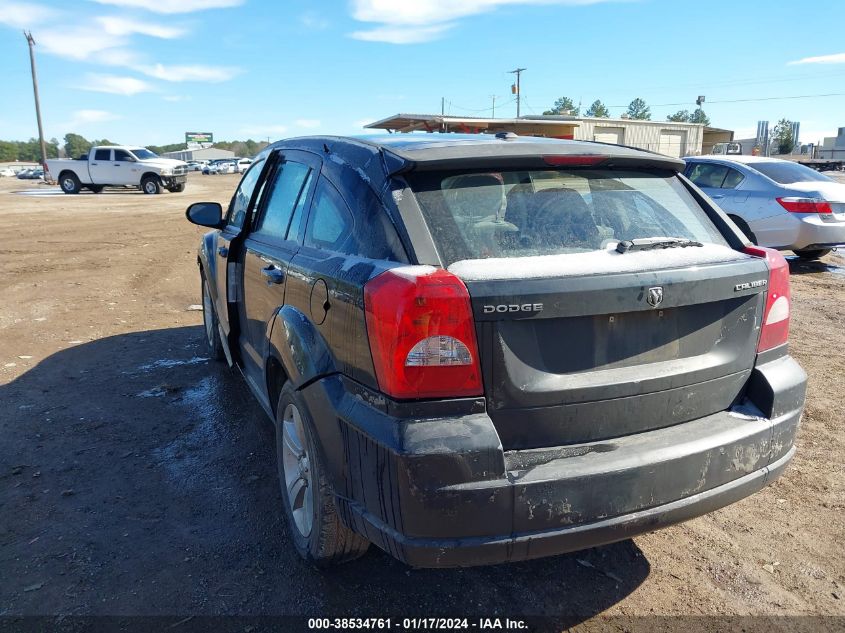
[
  {"x": 8, "y": 151},
  {"x": 76, "y": 145},
  {"x": 564, "y": 105},
  {"x": 681, "y": 116},
  {"x": 598, "y": 110},
  {"x": 698, "y": 116},
  {"x": 782, "y": 136},
  {"x": 638, "y": 109}
]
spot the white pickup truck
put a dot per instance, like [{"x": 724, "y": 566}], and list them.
[{"x": 119, "y": 166}]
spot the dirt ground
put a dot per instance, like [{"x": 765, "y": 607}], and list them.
[{"x": 137, "y": 477}]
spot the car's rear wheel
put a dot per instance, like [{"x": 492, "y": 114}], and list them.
[
  {"x": 69, "y": 183},
  {"x": 210, "y": 323},
  {"x": 317, "y": 532},
  {"x": 743, "y": 226},
  {"x": 96, "y": 188},
  {"x": 150, "y": 185},
  {"x": 812, "y": 254}
]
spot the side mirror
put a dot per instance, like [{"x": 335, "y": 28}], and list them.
[{"x": 208, "y": 214}]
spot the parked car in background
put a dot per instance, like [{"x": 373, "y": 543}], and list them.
[
  {"x": 227, "y": 167},
  {"x": 193, "y": 165},
  {"x": 212, "y": 167},
  {"x": 777, "y": 203},
  {"x": 480, "y": 349},
  {"x": 7, "y": 172},
  {"x": 242, "y": 164},
  {"x": 118, "y": 166},
  {"x": 31, "y": 174}
]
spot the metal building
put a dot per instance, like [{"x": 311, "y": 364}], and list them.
[
  {"x": 665, "y": 137},
  {"x": 208, "y": 153}
]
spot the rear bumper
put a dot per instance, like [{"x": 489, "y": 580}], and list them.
[
  {"x": 798, "y": 231},
  {"x": 440, "y": 492}
]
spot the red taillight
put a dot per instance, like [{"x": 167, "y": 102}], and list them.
[
  {"x": 778, "y": 302},
  {"x": 582, "y": 160},
  {"x": 805, "y": 205},
  {"x": 422, "y": 334}
]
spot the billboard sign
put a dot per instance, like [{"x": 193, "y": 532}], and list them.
[{"x": 199, "y": 138}]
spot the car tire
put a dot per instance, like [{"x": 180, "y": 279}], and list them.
[
  {"x": 178, "y": 188},
  {"x": 812, "y": 254},
  {"x": 96, "y": 188},
  {"x": 211, "y": 325},
  {"x": 151, "y": 185},
  {"x": 69, "y": 183},
  {"x": 314, "y": 525}
]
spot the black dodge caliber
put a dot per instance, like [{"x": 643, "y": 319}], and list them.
[{"x": 482, "y": 348}]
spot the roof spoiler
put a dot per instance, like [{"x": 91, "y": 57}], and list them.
[{"x": 395, "y": 165}]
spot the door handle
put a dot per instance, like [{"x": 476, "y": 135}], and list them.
[
  {"x": 223, "y": 251},
  {"x": 717, "y": 196},
  {"x": 117, "y": 164},
  {"x": 274, "y": 275}
]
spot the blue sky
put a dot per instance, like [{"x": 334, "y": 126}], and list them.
[{"x": 147, "y": 71}]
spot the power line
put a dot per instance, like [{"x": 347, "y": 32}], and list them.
[{"x": 681, "y": 103}]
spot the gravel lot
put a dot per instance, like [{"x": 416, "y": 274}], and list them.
[{"x": 137, "y": 478}]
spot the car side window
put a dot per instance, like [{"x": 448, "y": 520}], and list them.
[
  {"x": 732, "y": 179},
  {"x": 296, "y": 221},
  {"x": 708, "y": 175},
  {"x": 102, "y": 154},
  {"x": 122, "y": 155},
  {"x": 330, "y": 221},
  {"x": 288, "y": 189},
  {"x": 240, "y": 201}
]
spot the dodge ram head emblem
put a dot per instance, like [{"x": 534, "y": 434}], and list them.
[{"x": 655, "y": 296}]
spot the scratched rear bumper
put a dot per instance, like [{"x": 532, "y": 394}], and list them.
[{"x": 441, "y": 492}]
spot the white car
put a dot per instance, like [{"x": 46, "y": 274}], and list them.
[
  {"x": 7, "y": 172},
  {"x": 243, "y": 164},
  {"x": 227, "y": 167},
  {"x": 777, "y": 203}
]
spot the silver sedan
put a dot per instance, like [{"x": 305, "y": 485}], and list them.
[{"x": 777, "y": 203}]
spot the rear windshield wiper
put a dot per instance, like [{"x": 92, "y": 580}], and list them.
[{"x": 653, "y": 243}]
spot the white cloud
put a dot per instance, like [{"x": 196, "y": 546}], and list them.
[
  {"x": 309, "y": 124},
  {"x": 24, "y": 15},
  {"x": 403, "y": 22},
  {"x": 113, "y": 84},
  {"x": 84, "y": 118},
  {"x": 77, "y": 43},
  {"x": 838, "y": 58},
  {"x": 122, "y": 26},
  {"x": 171, "y": 7},
  {"x": 176, "y": 98},
  {"x": 402, "y": 34},
  {"x": 191, "y": 72}
]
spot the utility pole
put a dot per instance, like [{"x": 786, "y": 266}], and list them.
[
  {"x": 494, "y": 106},
  {"x": 31, "y": 41},
  {"x": 442, "y": 114},
  {"x": 515, "y": 88}
]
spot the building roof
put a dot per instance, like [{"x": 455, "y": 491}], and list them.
[{"x": 436, "y": 122}]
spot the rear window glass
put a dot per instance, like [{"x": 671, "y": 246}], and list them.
[
  {"x": 480, "y": 215},
  {"x": 786, "y": 173}
]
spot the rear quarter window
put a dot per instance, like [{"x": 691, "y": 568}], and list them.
[{"x": 493, "y": 214}]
